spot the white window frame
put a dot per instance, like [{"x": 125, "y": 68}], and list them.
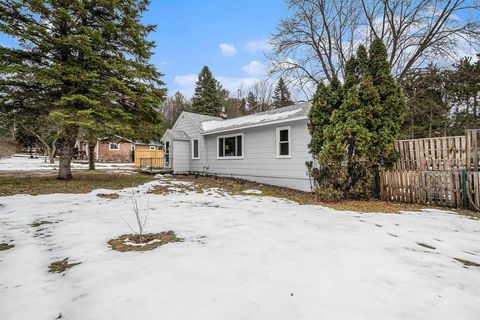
[
  {"x": 229, "y": 136},
  {"x": 193, "y": 145},
  {"x": 110, "y": 146},
  {"x": 289, "y": 142},
  {"x": 152, "y": 148}
]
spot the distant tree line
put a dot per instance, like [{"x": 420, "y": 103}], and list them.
[{"x": 442, "y": 101}]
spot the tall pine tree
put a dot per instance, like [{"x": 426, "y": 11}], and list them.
[
  {"x": 281, "y": 95},
  {"x": 83, "y": 63},
  {"x": 207, "y": 98},
  {"x": 354, "y": 129}
]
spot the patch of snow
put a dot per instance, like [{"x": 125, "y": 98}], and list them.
[
  {"x": 246, "y": 120},
  {"x": 259, "y": 258},
  {"x": 252, "y": 191},
  {"x": 22, "y": 162}
]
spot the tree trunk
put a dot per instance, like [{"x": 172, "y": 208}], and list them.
[
  {"x": 91, "y": 156},
  {"x": 52, "y": 151},
  {"x": 66, "y": 154}
]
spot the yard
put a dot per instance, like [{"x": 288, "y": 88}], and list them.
[{"x": 241, "y": 256}]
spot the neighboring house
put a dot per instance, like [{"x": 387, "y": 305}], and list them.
[
  {"x": 268, "y": 147},
  {"x": 152, "y": 145},
  {"x": 114, "y": 150}
]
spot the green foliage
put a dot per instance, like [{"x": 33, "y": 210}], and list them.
[
  {"x": 82, "y": 63},
  {"x": 208, "y": 95},
  {"x": 252, "y": 102},
  {"x": 281, "y": 95},
  {"x": 442, "y": 102},
  {"x": 354, "y": 127}
]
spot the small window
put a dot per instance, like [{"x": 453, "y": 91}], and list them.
[
  {"x": 283, "y": 142},
  {"x": 230, "y": 146},
  {"x": 113, "y": 146},
  {"x": 153, "y": 148},
  {"x": 195, "y": 149}
]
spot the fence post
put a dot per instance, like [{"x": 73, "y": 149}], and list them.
[{"x": 464, "y": 189}]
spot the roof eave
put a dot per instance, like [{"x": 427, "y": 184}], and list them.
[{"x": 255, "y": 125}]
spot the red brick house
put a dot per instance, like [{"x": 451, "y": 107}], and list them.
[{"x": 114, "y": 150}]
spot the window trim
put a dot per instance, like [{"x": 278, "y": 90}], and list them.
[
  {"x": 229, "y": 136},
  {"x": 110, "y": 146},
  {"x": 193, "y": 149},
  {"x": 278, "y": 129},
  {"x": 152, "y": 148}
]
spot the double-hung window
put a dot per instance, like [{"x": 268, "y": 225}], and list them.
[
  {"x": 230, "y": 147},
  {"x": 195, "y": 149},
  {"x": 283, "y": 142}
]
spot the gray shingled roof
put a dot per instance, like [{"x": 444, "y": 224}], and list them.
[
  {"x": 296, "y": 111},
  {"x": 198, "y": 119},
  {"x": 177, "y": 134}
]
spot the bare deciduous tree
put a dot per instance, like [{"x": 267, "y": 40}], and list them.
[
  {"x": 140, "y": 219},
  {"x": 319, "y": 36}
]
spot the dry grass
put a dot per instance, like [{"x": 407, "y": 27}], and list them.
[
  {"x": 108, "y": 195},
  {"x": 237, "y": 187},
  {"x": 6, "y": 246},
  {"x": 150, "y": 241},
  {"x": 61, "y": 266},
  {"x": 467, "y": 263},
  {"x": 39, "y": 223},
  {"x": 83, "y": 182}
]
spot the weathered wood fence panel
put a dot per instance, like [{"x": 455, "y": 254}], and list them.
[
  {"x": 149, "y": 154},
  {"x": 437, "y": 171},
  {"x": 440, "y": 188}
]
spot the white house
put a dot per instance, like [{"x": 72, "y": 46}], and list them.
[{"x": 268, "y": 147}]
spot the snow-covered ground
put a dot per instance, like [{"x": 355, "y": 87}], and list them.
[
  {"x": 243, "y": 257},
  {"x": 22, "y": 162}
]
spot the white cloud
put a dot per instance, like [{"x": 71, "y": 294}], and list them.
[
  {"x": 228, "y": 50},
  {"x": 254, "y": 68},
  {"x": 186, "y": 83},
  {"x": 186, "y": 80},
  {"x": 258, "y": 45}
]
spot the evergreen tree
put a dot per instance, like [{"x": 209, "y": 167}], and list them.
[
  {"x": 281, "y": 95},
  {"x": 463, "y": 86},
  {"x": 252, "y": 102},
  {"x": 85, "y": 65},
  {"x": 354, "y": 128},
  {"x": 428, "y": 109},
  {"x": 207, "y": 98}
]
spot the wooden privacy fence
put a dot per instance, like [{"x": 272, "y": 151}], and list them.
[
  {"x": 142, "y": 156},
  {"x": 438, "y": 171}
]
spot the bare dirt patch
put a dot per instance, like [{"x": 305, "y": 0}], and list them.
[
  {"x": 40, "y": 223},
  {"x": 426, "y": 245},
  {"x": 467, "y": 263},
  {"x": 83, "y": 182},
  {"x": 61, "y": 266},
  {"x": 108, "y": 195},
  {"x": 6, "y": 246},
  {"x": 150, "y": 241}
]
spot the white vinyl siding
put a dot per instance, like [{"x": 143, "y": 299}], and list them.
[{"x": 259, "y": 162}]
